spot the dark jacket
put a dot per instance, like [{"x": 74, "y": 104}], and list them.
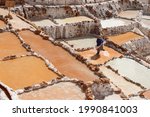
[{"x": 99, "y": 41}]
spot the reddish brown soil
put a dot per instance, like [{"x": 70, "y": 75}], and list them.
[
  {"x": 63, "y": 61},
  {"x": 123, "y": 38},
  {"x": 60, "y": 91},
  {"x": 23, "y": 72},
  {"x": 2, "y": 24},
  {"x": 10, "y": 45},
  {"x": 89, "y": 53}
]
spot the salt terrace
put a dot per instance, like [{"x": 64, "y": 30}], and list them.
[
  {"x": 124, "y": 38},
  {"x": 146, "y": 21},
  {"x": 19, "y": 73},
  {"x": 73, "y": 20},
  {"x": 44, "y": 22},
  {"x": 113, "y": 22},
  {"x": 136, "y": 72},
  {"x": 55, "y": 92},
  {"x": 129, "y": 14},
  {"x": 103, "y": 58},
  {"x": 63, "y": 61},
  {"x": 47, "y": 46},
  {"x": 81, "y": 42},
  {"x": 10, "y": 45}
]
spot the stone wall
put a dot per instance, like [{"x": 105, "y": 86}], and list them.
[
  {"x": 57, "y": 12},
  {"x": 101, "y": 88},
  {"x": 71, "y": 30},
  {"x": 54, "y": 2},
  {"x": 135, "y": 5},
  {"x": 145, "y": 30},
  {"x": 134, "y": 45},
  {"x": 146, "y": 9},
  {"x": 131, "y": 4},
  {"x": 105, "y": 9},
  {"x": 39, "y": 12},
  {"x": 141, "y": 47},
  {"x": 100, "y": 10},
  {"x": 97, "y": 10},
  {"x": 2, "y": 2},
  {"x": 119, "y": 29},
  {"x": 62, "y": 2},
  {"x": 145, "y": 1}
]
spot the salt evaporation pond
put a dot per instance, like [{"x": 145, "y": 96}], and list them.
[
  {"x": 129, "y": 14},
  {"x": 44, "y": 22},
  {"x": 73, "y": 20},
  {"x": 113, "y": 22},
  {"x": 132, "y": 70},
  {"x": 145, "y": 23},
  {"x": 82, "y": 42},
  {"x": 59, "y": 91}
]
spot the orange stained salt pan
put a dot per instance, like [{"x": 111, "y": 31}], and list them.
[
  {"x": 123, "y": 38},
  {"x": 2, "y": 24},
  {"x": 10, "y": 45},
  {"x": 147, "y": 94},
  {"x": 89, "y": 53},
  {"x": 23, "y": 72},
  {"x": 62, "y": 60},
  {"x": 60, "y": 91}
]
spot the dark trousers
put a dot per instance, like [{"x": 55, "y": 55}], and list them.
[{"x": 99, "y": 49}]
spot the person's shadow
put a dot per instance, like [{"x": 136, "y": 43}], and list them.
[{"x": 95, "y": 57}]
